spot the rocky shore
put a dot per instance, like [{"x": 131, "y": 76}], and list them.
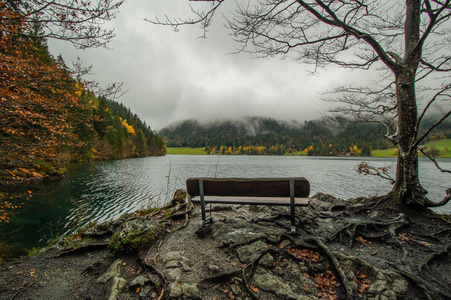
[{"x": 355, "y": 249}]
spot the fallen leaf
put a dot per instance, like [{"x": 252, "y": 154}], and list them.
[{"x": 253, "y": 288}]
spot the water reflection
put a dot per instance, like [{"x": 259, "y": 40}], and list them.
[{"x": 104, "y": 190}]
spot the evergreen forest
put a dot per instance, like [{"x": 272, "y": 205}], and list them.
[{"x": 267, "y": 136}]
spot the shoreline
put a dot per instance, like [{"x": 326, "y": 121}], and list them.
[{"x": 248, "y": 252}]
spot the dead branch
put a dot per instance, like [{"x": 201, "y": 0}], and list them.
[{"x": 367, "y": 169}]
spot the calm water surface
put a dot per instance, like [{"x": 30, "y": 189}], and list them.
[{"x": 101, "y": 191}]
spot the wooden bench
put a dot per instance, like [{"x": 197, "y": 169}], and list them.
[{"x": 249, "y": 191}]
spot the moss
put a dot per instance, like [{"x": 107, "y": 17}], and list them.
[{"x": 133, "y": 243}]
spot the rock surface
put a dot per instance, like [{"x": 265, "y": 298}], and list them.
[{"x": 247, "y": 253}]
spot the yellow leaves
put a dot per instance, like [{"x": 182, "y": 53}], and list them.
[
  {"x": 127, "y": 127},
  {"x": 355, "y": 151},
  {"x": 78, "y": 89}
]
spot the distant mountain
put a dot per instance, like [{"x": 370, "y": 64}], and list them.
[{"x": 263, "y": 135}]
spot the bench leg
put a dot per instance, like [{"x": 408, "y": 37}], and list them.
[
  {"x": 202, "y": 199},
  {"x": 292, "y": 207},
  {"x": 204, "y": 220}
]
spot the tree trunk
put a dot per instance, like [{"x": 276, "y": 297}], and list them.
[{"x": 407, "y": 185}]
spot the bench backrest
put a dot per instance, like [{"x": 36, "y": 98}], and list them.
[{"x": 256, "y": 187}]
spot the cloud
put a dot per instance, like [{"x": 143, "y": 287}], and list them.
[{"x": 174, "y": 76}]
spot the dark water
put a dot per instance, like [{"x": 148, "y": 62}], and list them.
[{"x": 102, "y": 191}]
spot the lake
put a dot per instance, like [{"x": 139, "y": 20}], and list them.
[{"x": 100, "y": 191}]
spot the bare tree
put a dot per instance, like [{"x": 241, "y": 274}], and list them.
[
  {"x": 406, "y": 41},
  {"x": 77, "y": 21}
]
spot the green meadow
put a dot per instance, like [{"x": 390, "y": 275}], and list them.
[
  {"x": 185, "y": 150},
  {"x": 443, "y": 146}
]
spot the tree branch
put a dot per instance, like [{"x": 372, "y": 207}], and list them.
[{"x": 422, "y": 150}]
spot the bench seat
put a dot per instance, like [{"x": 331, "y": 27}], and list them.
[{"x": 279, "y": 201}]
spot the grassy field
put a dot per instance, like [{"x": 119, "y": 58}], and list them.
[
  {"x": 444, "y": 146},
  {"x": 185, "y": 150}
]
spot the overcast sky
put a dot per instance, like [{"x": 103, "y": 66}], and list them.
[{"x": 176, "y": 76}]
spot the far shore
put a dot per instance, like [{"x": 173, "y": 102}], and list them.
[{"x": 443, "y": 146}]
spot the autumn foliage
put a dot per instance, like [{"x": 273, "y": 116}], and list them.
[
  {"x": 36, "y": 95},
  {"x": 48, "y": 118}
]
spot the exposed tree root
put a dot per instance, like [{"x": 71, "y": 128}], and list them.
[
  {"x": 445, "y": 200},
  {"x": 153, "y": 269},
  {"x": 430, "y": 291},
  {"x": 351, "y": 228},
  {"x": 336, "y": 264},
  {"x": 84, "y": 248}
]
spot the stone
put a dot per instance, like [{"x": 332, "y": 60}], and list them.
[
  {"x": 185, "y": 267},
  {"x": 190, "y": 291},
  {"x": 174, "y": 274},
  {"x": 173, "y": 255},
  {"x": 175, "y": 291},
  {"x": 267, "y": 260},
  {"x": 141, "y": 281},
  {"x": 117, "y": 284},
  {"x": 248, "y": 254},
  {"x": 171, "y": 264},
  {"x": 144, "y": 292},
  {"x": 213, "y": 268},
  {"x": 274, "y": 284},
  {"x": 113, "y": 271},
  {"x": 236, "y": 289}
]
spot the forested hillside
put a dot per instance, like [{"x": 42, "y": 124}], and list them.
[
  {"x": 47, "y": 116},
  {"x": 260, "y": 135}
]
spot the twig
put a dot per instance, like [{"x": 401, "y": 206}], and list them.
[{"x": 161, "y": 295}]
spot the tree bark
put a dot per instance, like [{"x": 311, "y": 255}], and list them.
[{"x": 407, "y": 185}]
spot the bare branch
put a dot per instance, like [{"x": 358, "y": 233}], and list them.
[
  {"x": 202, "y": 18},
  {"x": 419, "y": 140},
  {"x": 422, "y": 150}
]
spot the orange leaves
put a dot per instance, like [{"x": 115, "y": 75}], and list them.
[
  {"x": 326, "y": 284},
  {"x": 362, "y": 240},
  {"x": 36, "y": 101},
  {"x": 305, "y": 254},
  {"x": 362, "y": 280}
]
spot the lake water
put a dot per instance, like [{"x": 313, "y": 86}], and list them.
[{"x": 101, "y": 191}]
